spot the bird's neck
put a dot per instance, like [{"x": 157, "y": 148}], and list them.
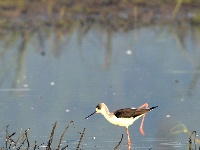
[{"x": 106, "y": 113}]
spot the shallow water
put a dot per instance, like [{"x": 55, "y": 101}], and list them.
[{"x": 64, "y": 78}]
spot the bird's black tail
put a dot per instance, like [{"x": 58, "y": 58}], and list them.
[{"x": 153, "y": 108}]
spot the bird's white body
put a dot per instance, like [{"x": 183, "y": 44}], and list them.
[
  {"x": 114, "y": 120},
  {"x": 120, "y": 121}
]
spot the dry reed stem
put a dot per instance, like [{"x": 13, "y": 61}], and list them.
[
  {"x": 80, "y": 139},
  {"x": 21, "y": 137},
  {"x": 51, "y": 136},
  {"x": 64, "y": 134}
]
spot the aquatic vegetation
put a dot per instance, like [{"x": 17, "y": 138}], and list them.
[
  {"x": 22, "y": 141},
  {"x": 193, "y": 140}
]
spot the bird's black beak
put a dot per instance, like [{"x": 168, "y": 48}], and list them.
[{"x": 90, "y": 115}]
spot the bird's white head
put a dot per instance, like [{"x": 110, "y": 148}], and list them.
[{"x": 101, "y": 108}]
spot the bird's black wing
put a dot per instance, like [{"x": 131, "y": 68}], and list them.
[{"x": 128, "y": 112}]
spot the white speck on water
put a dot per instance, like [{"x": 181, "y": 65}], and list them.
[
  {"x": 67, "y": 110},
  {"x": 52, "y": 83},
  {"x": 114, "y": 93},
  {"x": 168, "y": 116},
  {"x": 32, "y": 108},
  {"x": 182, "y": 99},
  {"x": 25, "y": 85},
  {"x": 129, "y": 52},
  {"x": 43, "y": 146},
  {"x": 93, "y": 138}
]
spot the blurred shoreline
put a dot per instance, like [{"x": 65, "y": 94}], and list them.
[{"x": 117, "y": 14}]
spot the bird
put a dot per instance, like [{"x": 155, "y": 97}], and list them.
[{"x": 123, "y": 117}]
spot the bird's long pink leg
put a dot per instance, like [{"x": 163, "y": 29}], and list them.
[
  {"x": 129, "y": 140},
  {"x": 141, "y": 125}
]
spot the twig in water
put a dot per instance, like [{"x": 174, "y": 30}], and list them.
[
  {"x": 9, "y": 138},
  {"x": 35, "y": 146},
  {"x": 26, "y": 133},
  {"x": 51, "y": 137},
  {"x": 24, "y": 139},
  {"x": 190, "y": 140},
  {"x": 195, "y": 135},
  {"x": 4, "y": 127},
  {"x": 80, "y": 139},
  {"x": 7, "y": 135},
  {"x": 118, "y": 143},
  {"x": 19, "y": 137},
  {"x": 64, "y": 134},
  {"x": 64, "y": 147}
]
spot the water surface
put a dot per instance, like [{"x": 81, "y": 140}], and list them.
[{"x": 46, "y": 78}]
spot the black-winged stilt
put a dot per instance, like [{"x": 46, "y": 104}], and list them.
[{"x": 123, "y": 117}]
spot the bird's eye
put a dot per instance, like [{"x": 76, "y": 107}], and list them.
[{"x": 98, "y": 107}]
